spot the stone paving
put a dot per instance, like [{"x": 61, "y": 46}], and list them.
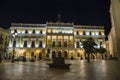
[{"x": 79, "y": 70}]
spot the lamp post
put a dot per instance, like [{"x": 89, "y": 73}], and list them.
[{"x": 14, "y": 35}]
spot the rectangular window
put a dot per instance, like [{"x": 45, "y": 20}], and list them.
[
  {"x": 78, "y": 45},
  {"x": 53, "y": 44},
  {"x": 65, "y": 43},
  {"x": 59, "y": 45},
  {"x": 25, "y": 43},
  {"x": 49, "y": 30},
  {"x": 40, "y": 44},
  {"x": 33, "y": 44},
  {"x": 33, "y": 31}
]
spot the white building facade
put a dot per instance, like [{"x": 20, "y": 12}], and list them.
[{"x": 57, "y": 37}]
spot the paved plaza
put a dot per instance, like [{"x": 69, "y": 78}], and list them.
[{"x": 79, "y": 70}]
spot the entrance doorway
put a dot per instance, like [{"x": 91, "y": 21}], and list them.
[
  {"x": 65, "y": 55},
  {"x": 53, "y": 54}
]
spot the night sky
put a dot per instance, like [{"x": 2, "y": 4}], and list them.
[{"x": 82, "y": 12}]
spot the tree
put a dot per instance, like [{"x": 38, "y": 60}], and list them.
[
  {"x": 95, "y": 51},
  {"x": 32, "y": 57},
  {"x": 102, "y": 51},
  {"x": 48, "y": 52},
  {"x": 88, "y": 45}
]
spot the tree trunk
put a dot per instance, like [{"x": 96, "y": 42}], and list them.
[
  {"x": 88, "y": 57},
  {"x": 102, "y": 56},
  {"x": 96, "y": 55}
]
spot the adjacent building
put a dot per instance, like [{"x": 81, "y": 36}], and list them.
[
  {"x": 114, "y": 38},
  {"x": 4, "y": 37},
  {"x": 52, "y": 38}
]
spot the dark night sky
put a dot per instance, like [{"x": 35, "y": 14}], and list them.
[{"x": 82, "y": 12}]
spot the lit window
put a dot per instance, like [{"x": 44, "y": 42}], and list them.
[
  {"x": 23, "y": 31},
  {"x": 48, "y": 37},
  {"x": 37, "y": 31},
  {"x": 49, "y": 30},
  {"x": 102, "y": 33},
  {"x": 12, "y": 31},
  {"x": 87, "y": 33},
  {"x": 97, "y": 33},
  {"x": 30, "y": 31},
  {"x": 60, "y": 30},
  {"x": 81, "y": 32},
  {"x": 93, "y": 33}
]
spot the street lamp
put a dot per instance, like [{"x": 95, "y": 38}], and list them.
[{"x": 14, "y": 35}]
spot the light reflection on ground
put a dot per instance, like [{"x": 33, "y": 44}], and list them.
[{"x": 79, "y": 70}]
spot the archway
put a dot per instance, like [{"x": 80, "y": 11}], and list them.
[
  {"x": 37, "y": 54},
  {"x": 78, "y": 54},
  {"x": 59, "y": 54},
  {"x": 40, "y": 55},
  {"x": 28, "y": 53},
  {"x": 53, "y": 54},
  {"x": 65, "y": 54}
]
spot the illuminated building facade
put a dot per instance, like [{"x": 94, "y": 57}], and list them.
[
  {"x": 58, "y": 37},
  {"x": 4, "y": 36},
  {"x": 113, "y": 37}
]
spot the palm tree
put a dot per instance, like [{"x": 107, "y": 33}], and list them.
[
  {"x": 88, "y": 45},
  {"x": 102, "y": 51},
  {"x": 95, "y": 51}
]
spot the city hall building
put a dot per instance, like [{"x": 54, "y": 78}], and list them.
[{"x": 53, "y": 38}]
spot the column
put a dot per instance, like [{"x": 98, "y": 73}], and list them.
[
  {"x": 62, "y": 41},
  {"x": 68, "y": 41}
]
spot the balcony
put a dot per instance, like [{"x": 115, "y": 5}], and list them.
[
  {"x": 87, "y": 36},
  {"x": 60, "y": 33},
  {"x": 31, "y": 35}
]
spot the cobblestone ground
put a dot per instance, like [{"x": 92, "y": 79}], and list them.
[{"x": 79, "y": 70}]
